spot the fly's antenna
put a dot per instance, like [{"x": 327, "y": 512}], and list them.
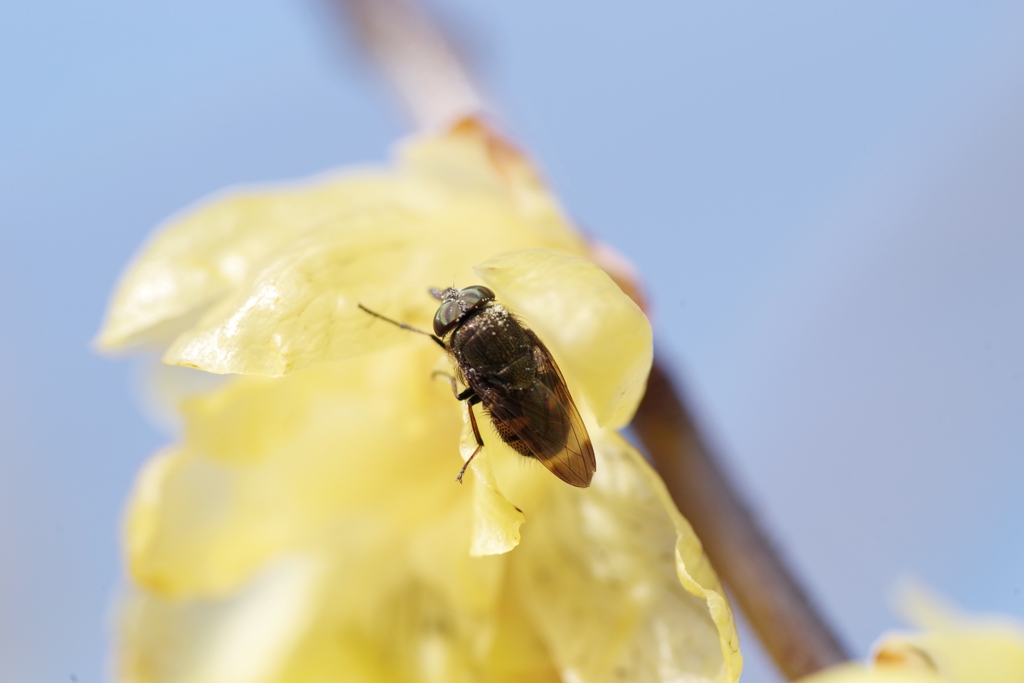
[{"x": 404, "y": 326}]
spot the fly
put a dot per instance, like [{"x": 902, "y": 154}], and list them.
[{"x": 507, "y": 369}]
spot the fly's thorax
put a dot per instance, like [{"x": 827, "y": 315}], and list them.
[{"x": 488, "y": 341}]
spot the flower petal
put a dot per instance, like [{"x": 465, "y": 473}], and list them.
[
  {"x": 496, "y": 521},
  {"x": 601, "y": 339},
  {"x": 950, "y": 648},
  {"x": 301, "y": 309},
  {"x": 200, "y": 255},
  {"x": 954, "y": 646},
  {"x": 385, "y": 603},
  {"x": 199, "y": 258},
  {"x": 268, "y": 464},
  {"x": 616, "y": 583},
  {"x": 244, "y": 639},
  {"x": 858, "y": 673},
  {"x": 472, "y": 157}
]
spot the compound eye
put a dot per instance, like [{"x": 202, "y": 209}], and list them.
[
  {"x": 474, "y": 296},
  {"x": 447, "y": 315}
]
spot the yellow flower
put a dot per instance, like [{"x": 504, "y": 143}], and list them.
[
  {"x": 308, "y": 526},
  {"x": 949, "y": 648}
]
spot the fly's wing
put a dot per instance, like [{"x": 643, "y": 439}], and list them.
[{"x": 544, "y": 419}]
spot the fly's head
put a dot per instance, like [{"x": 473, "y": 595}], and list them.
[{"x": 456, "y": 304}]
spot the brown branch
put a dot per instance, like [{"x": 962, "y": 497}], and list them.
[
  {"x": 416, "y": 59},
  {"x": 427, "y": 74},
  {"x": 780, "y": 612}
]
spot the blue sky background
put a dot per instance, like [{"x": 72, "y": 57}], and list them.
[{"x": 824, "y": 198}]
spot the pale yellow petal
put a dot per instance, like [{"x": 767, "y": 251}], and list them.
[
  {"x": 518, "y": 653},
  {"x": 858, "y": 673},
  {"x": 389, "y": 603},
  {"x": 142, "y": 526},
  {"x": 950, "y": 648},
  {"x": 496, "y": 521},
  {"x": 246, "y": 638},
  {"x": 198, "y": 257},
  {"x": 599, "y": 572},
  {"x": 474, "y": 159},
  {"x": 600, "y": 338},
  {"x": 268, "y": 464},
  {"x": 402, "y": 605},
  {"x": 302, "y": 310},
  {"x": 960, "y": 648},
  {"x": 162, "y": 389},
  {"x": 202, "y": 256}
]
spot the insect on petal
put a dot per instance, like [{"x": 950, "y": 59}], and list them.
[{"x": 600, "y": 338}]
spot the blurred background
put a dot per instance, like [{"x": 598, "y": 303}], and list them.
[{"x": 826, "y": 201}]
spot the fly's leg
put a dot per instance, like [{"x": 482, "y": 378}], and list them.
[
  {"x": 476, "y": 433},
  {"x": 468, "y": 394},
  {"x": 471, "y": 399}
]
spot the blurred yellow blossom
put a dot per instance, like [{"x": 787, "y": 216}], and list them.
[
  {"x": 949, "y": 648},
  {"x": 308, "y": 527}
]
